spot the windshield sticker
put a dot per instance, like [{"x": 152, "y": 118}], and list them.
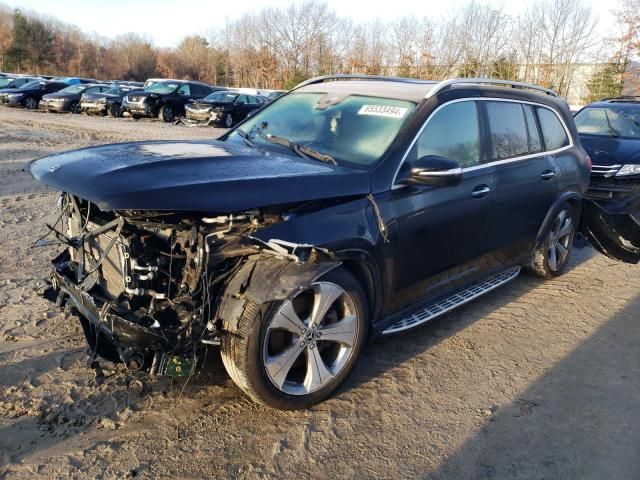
[{"x": 383, "y": 111}]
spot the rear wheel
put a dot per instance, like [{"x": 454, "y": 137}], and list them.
[
  {"x": 292, "y": 354},
  {"x": 228, "y": 120},
  {"x": 552, "y": 255},
  {"x": 31, "y": 103}
]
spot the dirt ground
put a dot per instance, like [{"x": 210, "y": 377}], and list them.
[{"x": 537, "y": 380}]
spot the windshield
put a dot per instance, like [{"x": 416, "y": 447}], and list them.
[
  {"x": 117, "y": 90},
  {"x": 614, "y": 121},
  {"x": 162, "y": 87},
  {"x": 354, "y": 130},
  {"x": 73, "y": 89},
  {"x": 222, "y": 97},
  {"x": 5, "y": 81},
  {"x": 32, "y": 84}
]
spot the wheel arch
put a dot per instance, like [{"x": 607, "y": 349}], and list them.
[
  {"x": 363, "y": 266},
  {"x": 572, "y": 197}
]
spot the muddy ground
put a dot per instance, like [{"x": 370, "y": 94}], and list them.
[{"x": 538, "y": 380}]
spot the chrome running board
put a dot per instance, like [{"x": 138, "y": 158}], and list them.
[{"x": 447, "y": 304}]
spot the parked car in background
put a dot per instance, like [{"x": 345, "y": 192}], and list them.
[
  {"x": 30, "y": 94},
  {"x": 165, "y": 99},
  {"x": 106, "y": 102},
  {"x": 223, "y": 108},
  {"x": 275, "y": 94},
  {"x": 75, "y": 80},
  {"x": 151, "y": 81},
  {"x": 14, "y": 82},
  {"x": 352, "y": 207},
  {"x": 68, "y": 99},
  {"x": 610, "y": 132}
]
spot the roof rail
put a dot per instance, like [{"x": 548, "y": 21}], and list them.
[
  {"x": 446, "y": 84},
  {"x": 349, "y": 76},
  {"x": 622, "y": 98}
]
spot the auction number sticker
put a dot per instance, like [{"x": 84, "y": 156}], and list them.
[{"x": 383, "y": 111}]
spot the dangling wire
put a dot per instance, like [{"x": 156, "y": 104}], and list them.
[{"x": 381, "y": 225}]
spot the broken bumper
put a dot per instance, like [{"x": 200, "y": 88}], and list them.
[
  {"x": 94, "y": 108},
  {"x": 130, "y": 340},
  {"x": 613, "y": 227}
]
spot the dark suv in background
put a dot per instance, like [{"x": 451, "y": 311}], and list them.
[
  {"x": 340, "y": 211},
  {"x": 163, "y": 99}
]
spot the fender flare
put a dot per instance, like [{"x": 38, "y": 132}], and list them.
[
  {"x": 266, "y": 277},
  {"x": 547, "y": 223}
]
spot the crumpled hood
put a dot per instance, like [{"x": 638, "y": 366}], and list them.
[
  {"x": 610, "y": 150},
  {"x": 206, "y": 176},
  {"x": 204, "y": 104}
]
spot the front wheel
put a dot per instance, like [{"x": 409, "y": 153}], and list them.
[
  {"x": 75, "y": 107},
  {"x": 167, "y": 114},
  {"x": 294, "y": 353},
  {"x": 228, "y": 120},
  {"x": 115, "y": 110},
  {"x": 31, "y": 103},
  {"x": 552, "y": 255}
]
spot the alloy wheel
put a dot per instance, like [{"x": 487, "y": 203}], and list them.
[
  {"x": 560, "y": 239},
  {"x": 228, "y": 120},
  {"x": 30, "y": 103},
  {"x": 310, "y": 339}
]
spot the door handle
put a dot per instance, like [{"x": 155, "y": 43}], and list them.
[
  {"x": 480, "y": 191},
  {"x": 548, "y": 175}
]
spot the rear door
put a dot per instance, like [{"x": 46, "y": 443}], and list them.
[
  {"x": 442, "y": 231},
  {"x": 526, "y": 177}
]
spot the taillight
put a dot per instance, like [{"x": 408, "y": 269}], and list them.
[{"x": 589, "y": 162}]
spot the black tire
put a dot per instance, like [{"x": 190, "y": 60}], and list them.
[
  {"x": 167, "y": 114},
  {"x": 228, "y": 120},
  {"x": 135, "y": 117},
  {"x": 114, "y": 110},
  {"x": 74, "y": 107},
  {"x": 542, "y": 261},
  {"x": 243, "y": 352},
  {"x": 30, "y": 103}
]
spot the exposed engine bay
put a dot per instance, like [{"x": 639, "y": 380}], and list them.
[{"x": 148, "y": 287}]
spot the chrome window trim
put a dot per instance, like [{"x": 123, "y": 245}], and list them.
[{"x": 495, "y": 162}]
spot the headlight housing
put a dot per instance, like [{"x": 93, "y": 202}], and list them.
[{"x": 630, "y": 169}]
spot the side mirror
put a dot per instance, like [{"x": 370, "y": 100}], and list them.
[{"x": 435, "y": 171}]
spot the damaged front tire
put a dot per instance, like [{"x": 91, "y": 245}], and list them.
[{"x": 292, "y": 354}]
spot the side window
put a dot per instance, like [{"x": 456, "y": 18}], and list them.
[
  {"x": 252, "y": 99},
  {"x": 93, "y": 90},
  {"x": 184, "y": 90},
  {"x": 508, "y": 130},
  {"x": 535, "y": 145},
  {"x": 452, "y": 132},
  {"x": 553, "y": 133},
  {"x": 241, "y": 100}
]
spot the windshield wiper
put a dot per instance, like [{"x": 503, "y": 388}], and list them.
[
  {"x": 245, "y": 137},
  {"x": 612, "y": 130},
  {"x": 301, "y": 150}
]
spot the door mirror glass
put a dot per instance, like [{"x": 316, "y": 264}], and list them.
[{"x": 435, "y": 171}]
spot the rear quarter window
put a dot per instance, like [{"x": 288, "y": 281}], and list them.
[{"x": 553, "y": 133}]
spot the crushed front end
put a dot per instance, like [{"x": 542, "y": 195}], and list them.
[{"x": 145, "y": 284}]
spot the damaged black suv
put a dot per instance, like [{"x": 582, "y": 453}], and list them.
[{"x": 350, "y": 207}]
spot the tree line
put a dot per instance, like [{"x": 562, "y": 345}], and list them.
[{"x": 278, "y": 47}]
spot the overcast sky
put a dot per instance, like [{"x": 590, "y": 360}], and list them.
[{"x": 167, "y": 21}]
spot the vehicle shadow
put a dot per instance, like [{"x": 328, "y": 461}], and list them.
[
  {"x": 403, "y": 346},
  {"x": 578, "y": 420}
]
